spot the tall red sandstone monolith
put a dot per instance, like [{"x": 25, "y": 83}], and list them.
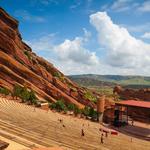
[{"x": 100, "y": 107}]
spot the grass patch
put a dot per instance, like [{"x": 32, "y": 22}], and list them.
[
  {"x": 28, "y": 55},
  {"x": 90, "y": 96},
  {"x": 59, "y": 76},
  {"x": 108, "y": 91}
]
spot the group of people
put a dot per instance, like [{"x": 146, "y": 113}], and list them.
[
  {"x": 101, "y": 130},
  {"x": 104, "y": 134},
  {"x": 61, "y": 121}
]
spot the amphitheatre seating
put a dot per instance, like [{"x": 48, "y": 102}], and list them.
[
  {"x": 43, "y": 128},
  {"x": 53, "y": 148}
]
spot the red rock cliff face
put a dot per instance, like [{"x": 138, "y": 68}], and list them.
[
  {"x": 19, "y": 65},
  {"x": 142, "y": 94}
]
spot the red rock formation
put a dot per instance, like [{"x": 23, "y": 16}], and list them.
[
  {"x": 19, "y": 65},
  {"x": 142, "y": 94},
  {"x": 117, "y": 89}
]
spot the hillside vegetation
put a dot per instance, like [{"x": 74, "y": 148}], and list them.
[{"x": 111, "y": 80}]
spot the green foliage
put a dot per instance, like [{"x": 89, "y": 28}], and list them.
[
  {"x": 4, "y": 91},
  {"x": 91, "y": 80},
  {"x": 77, "y": 110},
  {"x": 59, "y": 76},
  {"x": 17, "y": 90},
  {"x": 103, "y": 90},
  {"x": 32, "y": 97},
  {"x": 85, "y": 111},
  {"x": 89, "y": 112},
  {"x": 90, "y": 96},
  {"x": 28, "y": 55},
  {"x": 72, "y": 88},
  {"x": 71, "y": 107},
  {"x": 92, "y": 113},
  {"x": 24, "y": 94},
  {"x": 59, "y": 106},
  {"x": 52, "y": 106}
]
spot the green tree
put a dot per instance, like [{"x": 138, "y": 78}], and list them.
[
  {"x": 25, "y": 94},
  {"x": 60, "y": 106},
  {"x": 4, "y": 91},
  {"x": 32, "y": 97},
  {"x": 92, "y": 113},
  {"x": 76, "y": 110},
  {"x": 52, "y": 106},
  {"x": 85, "y": 111},
  {"x": 71, "y": 107},
  {"x": 17, "y": 90}
]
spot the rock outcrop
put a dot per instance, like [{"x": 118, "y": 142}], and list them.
[
  {"x": 19, "y": 65},
  {"x": 141, "y": 94}
]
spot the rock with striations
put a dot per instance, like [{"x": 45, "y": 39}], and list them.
[
  {"x": 19, "y": 65},
  {"x": 141, "y": 94}
]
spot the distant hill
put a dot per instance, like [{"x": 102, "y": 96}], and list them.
[{"x": 111, "y": 80}]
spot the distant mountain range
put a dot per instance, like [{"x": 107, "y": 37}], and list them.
[{"x": 111, "y": 80}]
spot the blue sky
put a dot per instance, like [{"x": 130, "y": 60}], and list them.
[{"x": 87, "y": 36}]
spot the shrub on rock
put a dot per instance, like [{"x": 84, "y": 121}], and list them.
[
  {"x": 24, "y": 94},
  {"x": 71, "y": 107},
  {"x": 4, "y": 91}
]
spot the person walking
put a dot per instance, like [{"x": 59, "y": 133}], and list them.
[
  {"x": 132, "y": 122},
  {"x": 102, "y": 138},
  {"x": 82, "y": 132},
  {"x": 106, "y": 134}
]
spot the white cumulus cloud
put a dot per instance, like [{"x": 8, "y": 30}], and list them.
[
  {"x": 74, "y": 51},
  {"x": 123, "y": 50},
  {"x": 70, "y": 56},
  {"x": 146, "y": 35},
  {"x": 118, "y": 51}
]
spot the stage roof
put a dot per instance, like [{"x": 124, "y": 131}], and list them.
[{"x": 134, "y": 103}]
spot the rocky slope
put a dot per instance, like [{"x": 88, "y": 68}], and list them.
[
  {"x": 141, "y": 94},
  {"x": 19, "y": 65}
]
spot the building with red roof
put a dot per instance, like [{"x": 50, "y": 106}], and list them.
[
  {"x": 136, "y": 110},
  {"x": 134, "y": 103}
]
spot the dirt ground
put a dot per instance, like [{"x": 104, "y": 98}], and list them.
[{"x": 45, "y": 129}]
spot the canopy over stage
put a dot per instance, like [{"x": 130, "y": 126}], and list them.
[
  {"x": 137, "y": 110},
  {"x": 133, "y": 103}
]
